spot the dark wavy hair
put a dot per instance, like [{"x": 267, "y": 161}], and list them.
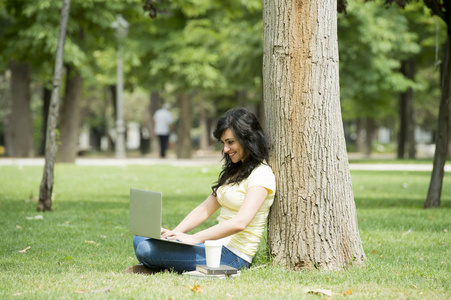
[{"x": 249, "y": 133}]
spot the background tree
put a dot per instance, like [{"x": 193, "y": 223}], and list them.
[
  {"x": 70, "y": 116},
  {"x": 378, "y": 38},
  {"x": 15, "y": 50},
  {"x": 20, "y": 124},
  {"x": 88, "y": 33},
  {"x": 217, "y": 47},
  {"x": 417, "y": 104},
  {"x": 442, "y": 9},
  {"x": 4, "y": 109},
  {"x": 184, "y": 59},
  {"x": 24, "y": 38},
  {"x": 29, "y": 36},
  {"x": 45, "y": 192},
  {"x": 313, "y": 222}
]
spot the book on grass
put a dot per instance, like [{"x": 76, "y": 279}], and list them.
[
  {"x": 221, "y": 270},
  {"x": 202, "y": 275}
]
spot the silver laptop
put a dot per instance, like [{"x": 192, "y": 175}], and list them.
[{"x": 145, "y": 214}]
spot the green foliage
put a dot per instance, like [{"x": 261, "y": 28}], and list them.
[
  {"x": 243, "y": 39},
  {"x": 431, "y": 31},
  {"x": 184, "y": 57},
  {"x": 213, "y": 49},
  {"x": 208, "y": 47},
  {"x": 32, "y": 31},
  {"x": 81, "y": 248},
  {"x": 373, "y": 40},
  {"x": 427, "y": 99}
]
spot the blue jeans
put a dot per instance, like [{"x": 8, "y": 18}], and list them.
[
  {"x": 160, "y": 255},
  {"x": 164, "y": 139}
]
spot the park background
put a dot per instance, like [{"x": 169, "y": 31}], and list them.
[{"x": 204, "y": 57}]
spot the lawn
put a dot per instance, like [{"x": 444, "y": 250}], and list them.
[{"x": 80, "y": 249}]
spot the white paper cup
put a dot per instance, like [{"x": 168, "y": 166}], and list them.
[{"x": 213, "y": 251}]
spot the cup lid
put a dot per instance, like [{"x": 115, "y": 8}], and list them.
[{"x": 213, "y": 243}]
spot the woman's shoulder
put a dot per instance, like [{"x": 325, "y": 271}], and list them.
[
  {"x": 262, "y": 170},
  {"x": 262, "y": 175},
  {"x": 264, "y": 167}
]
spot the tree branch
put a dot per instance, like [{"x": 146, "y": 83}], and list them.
[
  {"x": 434, "y": 6},
  {"x": 341, "y": 6}
]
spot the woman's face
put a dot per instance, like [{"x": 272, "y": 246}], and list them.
[{"x": 232, "y": 147}]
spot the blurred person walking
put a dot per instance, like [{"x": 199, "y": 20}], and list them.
[{"x": 162, "y": 127}]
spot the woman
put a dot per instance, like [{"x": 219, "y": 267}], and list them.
[{"x": 244, "y": 192}]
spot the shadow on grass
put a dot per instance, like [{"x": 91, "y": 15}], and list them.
[
  {"x": 97, "y": 212},
  {"x": 401, "y": 203}
]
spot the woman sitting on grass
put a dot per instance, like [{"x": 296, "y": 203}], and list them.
[{"x": 244, "y": 192}]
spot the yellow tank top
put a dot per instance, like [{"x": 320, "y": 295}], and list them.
[{"x": 231, "y": 197}]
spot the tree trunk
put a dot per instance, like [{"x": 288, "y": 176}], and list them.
[
  {"x": 402, "y": 134},
  {"x": 360, "y": 136},
  {"x": 21, "y": 125},
  {"x": 210, "y": 125},
  {"x": 406, "y": 135},
  {"x": 70, "y": 117},
  {"x": 411, "y": 133},
  {"x": 203, "y": 132},
  {"x": 46, "y": 98},
  {"x": 449, "y": 135},
  {"x": 112, "y": 138},
  {"x": 411, "y": 112},
  {"x": 260, "y": 109},
  {"x": 441, "y": 146},
  {"x": 370, "y": 128},
  {"x": 154, "y": 105},
  {"x": 113, "y": 92},
  {"x": 45, "y": 191},
  {"x": 5, "y": 111},
  {"x": 184, "y": 127},
  {"x": 312, "y": 223}
]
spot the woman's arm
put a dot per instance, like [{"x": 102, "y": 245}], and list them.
[
  {"x": 255, "y": 196},
  {"x": 197, "y": 216}
]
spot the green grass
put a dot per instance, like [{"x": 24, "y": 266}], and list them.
[
  {"x": 80, "y": 249},
  {"x": 420, "y": 161}
]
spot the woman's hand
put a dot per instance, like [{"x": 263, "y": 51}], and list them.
[{"x": 179, "y": 236}]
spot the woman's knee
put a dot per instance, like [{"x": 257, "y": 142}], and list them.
[
  {"x": 137, "y": 240},
  {"x": 143, "y": 251}
]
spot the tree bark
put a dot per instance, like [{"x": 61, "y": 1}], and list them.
[
  {"x": 45, "y": 191},
  {"x": 46, "y": 98},
  {"x": 370, "y": 128},
  {"x": 411, "y": 112},
  {"x": 154, "y": 105},
  {"x": 112, "y": 92},
  {"x": 203, "y": 131},
  {"x": 21, "y": 125},
  {"x": 406, "y": 136},
  {"x": 184, "y": 127},
  {"x": 360, "y": 136},
  {"x": 70, "y": 117},
  {"x": 402, "y": 134},
  {"x": 260, "y": 109},
  {"x": 449, "y": 136},
  {"x": 441, "y": 146},
  {"x": 5, "y": 111},
  {"x": 312, "y": 223}
]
